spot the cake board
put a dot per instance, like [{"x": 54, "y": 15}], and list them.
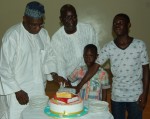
[{"x": 58, "y": 116}]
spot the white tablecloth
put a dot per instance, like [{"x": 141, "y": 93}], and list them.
[{"x": 38, "y": 113}]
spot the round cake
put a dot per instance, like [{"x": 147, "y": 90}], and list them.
[{"x": 66, "y": 103}]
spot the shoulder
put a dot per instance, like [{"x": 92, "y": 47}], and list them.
[
  {"x": 12, "y": 33},
  {"x": 85, "y": 26},
  {"x": 138, "y": 43},
  {"x": 108, "y": 46},
  {"x": 44, "y": 32},
  {"x": 13, "y": 29},
  {"x": 58, "y": 32},
  {"x": 58, "y": 36}
]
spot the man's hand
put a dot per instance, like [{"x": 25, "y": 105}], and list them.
[
  {"x": 58, "y": 78},
  {"x": 55, "y": 76},
  {"x": 68, "y": 84},
  {"x": 22, "y": 97},
  {"x": 142, "y": 101},
  {"x": 61, "y": 80}
]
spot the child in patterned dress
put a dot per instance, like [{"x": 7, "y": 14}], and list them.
[{"x": 96, "y": 87}]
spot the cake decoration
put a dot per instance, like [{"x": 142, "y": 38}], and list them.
[{"x": 65, "y": 102}]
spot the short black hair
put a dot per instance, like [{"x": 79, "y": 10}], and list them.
[
  {"x": 92, "y": 47},
  {"x": 124, "y": 16},
  {"x": 67, "y": 7}
]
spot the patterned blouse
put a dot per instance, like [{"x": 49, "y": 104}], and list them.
[{"x": 93, "y": 88}]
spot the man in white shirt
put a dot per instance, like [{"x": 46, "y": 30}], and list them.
[
  {"x": 69, "y": 41},
  {"x": 26, "y": 59}
]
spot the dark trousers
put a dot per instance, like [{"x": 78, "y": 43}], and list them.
[{"x": 119, "y": 110}]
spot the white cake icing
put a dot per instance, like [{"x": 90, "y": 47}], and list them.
[{"x": 66, "y": 109}]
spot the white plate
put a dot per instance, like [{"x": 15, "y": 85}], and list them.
[{"x": 96, "y": 105}]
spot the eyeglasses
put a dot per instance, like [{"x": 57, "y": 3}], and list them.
[
  {"x": 71, "y": 17},
  {"x": 34, "y": 25}
]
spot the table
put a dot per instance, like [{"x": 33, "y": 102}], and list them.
[{"x": 38, "y": 113}]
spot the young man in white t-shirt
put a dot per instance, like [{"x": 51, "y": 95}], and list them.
[{"x": 130, "y": 68}]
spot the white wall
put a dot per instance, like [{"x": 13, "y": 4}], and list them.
[{"x": 100, "y": 13}]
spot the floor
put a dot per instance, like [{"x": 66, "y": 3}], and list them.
[{"x": 52, "y": 87}]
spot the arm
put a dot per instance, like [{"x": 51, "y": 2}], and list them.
[
  {"x": 75, "y": 77},
  {"x": 146, "y": 80},
  {"x": 105, "y": 84},
  {"x": 58, "y": 78},
  {"x": 7, "y": 69},
  {"x": 146, "y": 76},
  {"x": 90, "y": 73},
  {"x": 59, "y": 53},
  {"x": 50, "y": 62},
  {"x": 104, "y": 94},
  {"x": 7, "y": 66}
]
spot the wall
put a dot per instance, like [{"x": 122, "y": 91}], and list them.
[{"x": 100, "y": 13}]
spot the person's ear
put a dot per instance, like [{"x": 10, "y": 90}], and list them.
[
  {"x": 60, "y": 18},
  {"x": 97, "y": 55},
  {"x": 24, "y": 18},
  {"x": 129, "y": 25},
  {"x": 61, "y": 21}
]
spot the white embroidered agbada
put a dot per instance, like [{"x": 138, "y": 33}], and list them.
[
  {"x": 25, "y": 60},
  {"x": 68, "y": 48}
]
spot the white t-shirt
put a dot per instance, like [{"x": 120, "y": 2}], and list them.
[{"x": 126, "y": 67}]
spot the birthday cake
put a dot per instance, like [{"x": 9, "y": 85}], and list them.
[{"x": 66, "y": 103}]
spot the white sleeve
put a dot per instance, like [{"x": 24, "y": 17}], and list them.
[
  {"x": 8, "y": 60},
  {"x": 50, "y": 59},
  {"x": 144, "y": 54},
  {"x": 103, "y": 56},
  {"x": 61, "y": 71},
  {"x": 94, "y": 38}
]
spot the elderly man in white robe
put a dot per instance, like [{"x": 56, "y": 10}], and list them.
[
  {"x": 69, "y": 41},
  {"x": 26, "y": 59}
]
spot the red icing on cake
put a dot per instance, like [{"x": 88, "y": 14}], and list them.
[{"x": 67, "y": 100}]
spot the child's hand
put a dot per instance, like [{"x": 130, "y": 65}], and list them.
[{"x": 77, "y": 88}]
